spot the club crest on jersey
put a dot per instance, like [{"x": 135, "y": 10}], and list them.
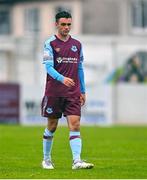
[
  {"x": 49, "y": 110},
  {"x": 74, "y": 48},
  {"x": 59, "y": 59},
  {"x": 57, "y": 50}
]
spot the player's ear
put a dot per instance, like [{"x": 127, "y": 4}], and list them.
[{"x": 56, "y": 24}]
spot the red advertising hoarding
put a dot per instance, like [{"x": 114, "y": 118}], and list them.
[{"x": 9, "y": 103}]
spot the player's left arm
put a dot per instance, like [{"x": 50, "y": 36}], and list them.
[{"x": 81, "y": 78}]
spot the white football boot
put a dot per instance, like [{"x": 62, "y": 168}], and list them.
[
  {"x": 80, "y": 164},
  {"x": 47, "y": 164}
]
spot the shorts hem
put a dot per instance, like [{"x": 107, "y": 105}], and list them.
[
  {"x": 52, "y": 116},
  {"x": 72, "y": 115}
]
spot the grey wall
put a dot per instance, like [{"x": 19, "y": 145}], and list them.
[{"x": 101, "y": 16}]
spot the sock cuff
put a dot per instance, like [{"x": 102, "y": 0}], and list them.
[
  {"x": 74, "y": 135},
  {"x": 48, "y": 133}
]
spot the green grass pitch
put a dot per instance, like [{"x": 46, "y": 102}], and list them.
[{"x": 117, "y": 152}]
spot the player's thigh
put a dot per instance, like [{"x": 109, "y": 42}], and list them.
[
  {"x": 73, "y": 122},
  {"x": 72, "y": 106}
]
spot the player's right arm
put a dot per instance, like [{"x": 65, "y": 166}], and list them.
[{"x": 48, "y": 60}]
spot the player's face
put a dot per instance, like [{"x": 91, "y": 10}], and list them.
[{"x": 64, "y": 25}]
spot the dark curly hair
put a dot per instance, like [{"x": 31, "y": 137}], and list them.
[{"x": 62, "y": 14}]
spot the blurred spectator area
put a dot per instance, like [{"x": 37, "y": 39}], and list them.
[{"x": 134, "y": 70}]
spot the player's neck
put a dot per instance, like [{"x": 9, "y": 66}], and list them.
[{"x": 63, "y": 38}]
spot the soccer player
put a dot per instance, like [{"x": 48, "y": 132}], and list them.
[{"x": 64, "y": 91}]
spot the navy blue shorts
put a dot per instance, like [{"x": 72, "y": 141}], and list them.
[{"x": 54, "y": 107}]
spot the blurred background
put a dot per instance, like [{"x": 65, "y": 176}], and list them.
[{"x": 114, "y": 38}]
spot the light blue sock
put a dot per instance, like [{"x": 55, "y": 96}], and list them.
[
  {"x": 47, "y": 144},
  {"x": 75, "y": 144}
]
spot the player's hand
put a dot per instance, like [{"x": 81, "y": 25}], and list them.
[
  {"x": 68, "y": 82},
  {"x": 82, "y": 99}
]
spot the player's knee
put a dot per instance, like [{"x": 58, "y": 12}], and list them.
[
  {"x": 52, "y": 127},
  {"x": 75, "y": 126}
]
